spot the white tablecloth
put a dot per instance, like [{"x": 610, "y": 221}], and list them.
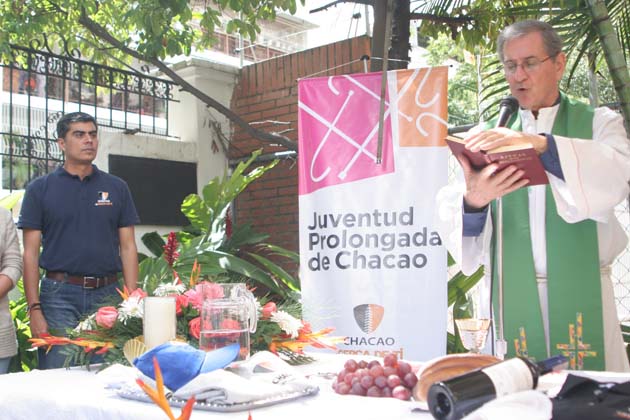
[{"x": 78, "y": 394}]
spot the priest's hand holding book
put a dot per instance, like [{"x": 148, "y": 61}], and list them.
[
  {"x": 488, "y": 140},
  {"x": 498, "y": 161}
]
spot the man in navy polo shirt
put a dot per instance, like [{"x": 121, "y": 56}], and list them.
[{"x": 83, "y": 219}]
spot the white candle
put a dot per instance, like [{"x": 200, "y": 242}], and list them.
[{"x": 159, "y": 320}]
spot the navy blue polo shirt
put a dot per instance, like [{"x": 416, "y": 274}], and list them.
[{"x": 79, "y": 220}]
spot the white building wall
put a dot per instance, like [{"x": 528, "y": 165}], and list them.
[
  {"x": 192, "y": 128},
  {"x": 192, "y": 121}
]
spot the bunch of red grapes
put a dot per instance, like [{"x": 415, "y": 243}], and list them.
[{"x": 393, "y": 379}]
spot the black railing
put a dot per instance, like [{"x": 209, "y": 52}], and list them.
[{"x": 38, "y": 86}]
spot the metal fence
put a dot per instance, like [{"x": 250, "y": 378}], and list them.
[{"x": 39, "y": 86}]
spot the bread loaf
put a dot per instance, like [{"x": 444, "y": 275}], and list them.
[{"x": 446, "y": 367}]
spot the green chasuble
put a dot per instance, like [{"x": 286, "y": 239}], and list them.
[{"x": 573, "y": 275}]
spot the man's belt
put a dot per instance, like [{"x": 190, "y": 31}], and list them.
[{"x": 87, "y": 282}]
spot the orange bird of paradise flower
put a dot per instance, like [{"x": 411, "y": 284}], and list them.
[
  {"x": 124, "y": 294},
  {"x": 48, "y": 341},
  {"x": 195, "y": 273},
  {"x": 158, "y": 396},
  {"x": 305, "y": 338}
]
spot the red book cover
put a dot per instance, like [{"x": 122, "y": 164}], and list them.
[{"x": 523, "y": 156}]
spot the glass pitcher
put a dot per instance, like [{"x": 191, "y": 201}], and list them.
[{"x": 228, "y": 315}]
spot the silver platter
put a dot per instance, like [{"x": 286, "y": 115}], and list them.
[{"x": 139, "y": 395}]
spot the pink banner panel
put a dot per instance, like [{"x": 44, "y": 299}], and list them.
[{"x": 338, "y": 120}]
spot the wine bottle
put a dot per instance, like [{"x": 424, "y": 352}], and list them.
[{"x": 456, "y": 397}]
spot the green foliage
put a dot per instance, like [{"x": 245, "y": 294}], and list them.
[
  {"x": 461, "y": 284},
  {"x": 121, "y": 332},
  {"x": 458, "y": 287},
  {"x": 576, "y": 81},
  {"x": 240, "y": 256},
  {"x": 151, "y": 28},
  {"x": 26, "y": 359},
  {"x": 484, "y": 21},
  {"x": 441, "y": 48},
  {"x": 118, "y": 335},
  {"x": 152, "y": 272},
  {"x": 572, "y": 18},
  {"x": 462, "y": 87},
  {"x": 462, "y": 308},
  {"x": 154, "y": 243}
]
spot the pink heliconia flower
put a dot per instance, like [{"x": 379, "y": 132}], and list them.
[
  {"x": 203, "y": 290},
  {"x": 106, "y": 316}
]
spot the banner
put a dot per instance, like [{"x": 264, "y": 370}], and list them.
[{"x": 371, "y": 263}]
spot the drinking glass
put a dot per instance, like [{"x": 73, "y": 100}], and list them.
[{"x": 473, "y": 329}]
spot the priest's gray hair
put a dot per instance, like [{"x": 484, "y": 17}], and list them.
[{"x": 551, "y": 39}]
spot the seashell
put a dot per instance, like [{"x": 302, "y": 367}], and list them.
[{"x": 134, "y": 348}]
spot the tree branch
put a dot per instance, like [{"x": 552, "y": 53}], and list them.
[
  {"x": 334, "y": 3},
  {"x": 102, "y": 33},
  {"x": 449, "y": 20}
]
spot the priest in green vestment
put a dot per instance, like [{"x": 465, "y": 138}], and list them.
[{"x": 559, "y": 240}]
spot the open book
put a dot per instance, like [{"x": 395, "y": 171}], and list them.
[{"x": 523, "y": 156}]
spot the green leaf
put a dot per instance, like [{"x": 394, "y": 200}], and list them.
[
  {"x": 152, "y": 272},
  {"x": 244, "y": 235},
  {"x": 213, "y": 194},
  {"x": 235, "y": 5},
  {"x": 462, "y": 308},
  {"x": 196, "y": 211},
  {"x": 277, "y": 250},
  {"x": 461, "y": 283},
  {"x": 154, "y": 243},
  {"x": 288, "y": 280},
  {"x": 235, "y": 264},
  {"x": 230, "y": 27},
  {"x": 156, "y": 24}
]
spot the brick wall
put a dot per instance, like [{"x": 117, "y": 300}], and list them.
[{"x": 267, "y": 91}]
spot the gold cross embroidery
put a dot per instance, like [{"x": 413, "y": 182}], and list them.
[
  {"x": 520, "y": 343},
  {"x": 576, "y": 350}
]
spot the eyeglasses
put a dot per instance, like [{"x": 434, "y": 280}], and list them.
[{"x": 529, "y": 65}]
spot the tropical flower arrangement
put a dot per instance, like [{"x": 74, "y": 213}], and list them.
[
  {"x": 106, "y": 331},
  {"x": 214, "y": 251},
  {"x": 227, "y": 253}
]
